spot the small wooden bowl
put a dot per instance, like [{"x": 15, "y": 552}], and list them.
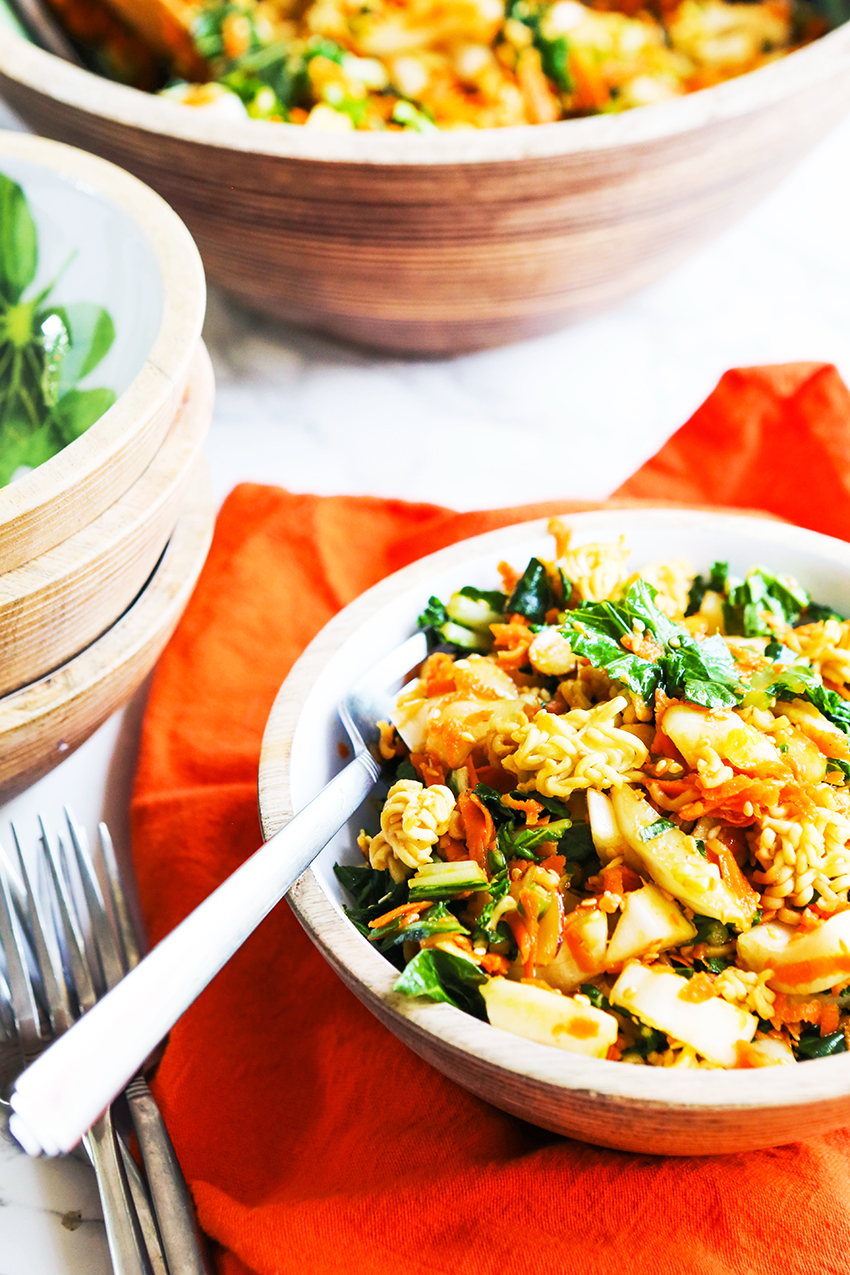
[
  {"x": 41, "y": 724},
  {"x": 648, "y": 1109},
  {"x": 56, "y": 604},
  {"x": 70, "y": 490},
  {"x": 454, "y": 241}
]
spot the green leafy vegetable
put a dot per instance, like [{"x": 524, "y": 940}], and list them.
[
  {"x": 533, "y": 596},
  {"x": 404, "y": 770},
  {"x": 711, "y": 932},
  {"x": 44, "y": 351},
  {"x": 443, "y": 976},
  {"x": 577, "y": 843},
  {"x": 436, "y": 920},
  {"x": 374, "y": 893},
  {"x": 798, "y": 682},
  {"x": 554, "y": 49},
  {"x": 653, "y": 830},
  {"x": 497, "y": 889},
  {"x": 816, "y": 611},
  {"x": 596, "y": 997},
  {"x": 703, "y": 672},
  {"x": 551, "y": 804},
  {"x": 520, "y": 843},
  {"x": 18, "y": 242},
  {"x": 493, "y": 801},
  {"x": 813, "y": 1045},
  {"x": 434, "y": 615}
]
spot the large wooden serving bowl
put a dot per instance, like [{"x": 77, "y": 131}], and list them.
[
  {"x": 455, "y": 241},
  {"x": 657, "y": 1110},
  {"x": 108, "y": 224}
]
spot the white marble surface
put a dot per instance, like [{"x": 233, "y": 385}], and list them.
[{"x": 598, "y": 399}]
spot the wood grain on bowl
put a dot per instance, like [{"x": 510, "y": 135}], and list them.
[
  {"x": 42, "y": 723},
  {"x": 634, "y": 1108},
  {"x": 57, "y": 499},
  {"x": 56, "y": 604},
  {"x": 459, "y": 240}
]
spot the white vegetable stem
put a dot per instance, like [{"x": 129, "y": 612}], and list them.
[{"x": 61, "y": 1095}]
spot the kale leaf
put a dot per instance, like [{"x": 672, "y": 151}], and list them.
[
  {"x": 520, "y": 843},
  {"x": 812, "y": 1045},
  {"x": 443, "y": 976},
  {"x": 435, "y": 920},
  {"x": 703, "y": 672},
  {"x": 533, "y": 596},
  {"x": 797, "y": 682},
  {"x": 373, "y": 893},
  {"x": 433, "y": 616}
]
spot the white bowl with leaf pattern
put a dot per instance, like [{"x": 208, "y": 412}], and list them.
[{"x": 105, "y": 262}]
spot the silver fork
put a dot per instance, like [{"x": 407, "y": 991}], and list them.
[
  {"x": 41, "y": 1009},
  {"x": 98, "y": 957},
  {"x": 62, "y": 1093}
]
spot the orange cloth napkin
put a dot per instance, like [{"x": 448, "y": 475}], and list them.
[{"x": 313, "y": 1141}]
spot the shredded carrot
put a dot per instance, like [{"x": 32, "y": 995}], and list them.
[
  {"x": 492, "y": 963},
  {"x": 829, "y": 1020},
  {"x": 495, "y": 777},
  {"x": 591, "y": 90},
  {"x": 698, "y": 989},
  {"x": 478, "y": 826},
  {"x": 533, "y": 809},
  {"x": 438, "y": 674},
  {"x": 526, "y": 942},
  {"x": 511, "y": 642},
  {"x": 733, "y": 877},
  {"x": 510, "y": 578},
  {"x": 643, "y": 645},
  {"x": 802, "y": 1012},
  {"x": 619, "y": 880},
  {"x": 429, "y": 769},
  {"x": 407, "y": 909},
  {"x": 453, "y": 851}
]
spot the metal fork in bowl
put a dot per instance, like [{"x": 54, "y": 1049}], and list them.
[
  {"x": 80, "y": 953},
  {"x": 60, "y": 1095}
]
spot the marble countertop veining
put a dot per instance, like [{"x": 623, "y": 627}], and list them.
[{"x": 594, "y": 401}]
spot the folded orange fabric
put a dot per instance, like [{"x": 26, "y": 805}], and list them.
[{"x": 313, "y": 1141}]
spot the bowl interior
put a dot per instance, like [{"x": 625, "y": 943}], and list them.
[
  {"x": 820, "y": 563},
  {"x": 100, "y": 255}
]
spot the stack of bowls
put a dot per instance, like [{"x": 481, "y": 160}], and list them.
[{"x": 101, "y": 545}]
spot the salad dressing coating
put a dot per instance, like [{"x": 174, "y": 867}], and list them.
[{"x": 618, "y": 820}]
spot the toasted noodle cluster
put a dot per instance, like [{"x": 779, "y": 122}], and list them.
[
  {"x": 418, "y": 65},
  {"x": 619, "y": 815}
]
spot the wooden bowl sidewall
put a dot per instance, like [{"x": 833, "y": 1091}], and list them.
[
  {"x": 56, "y": 604},
  {"x": 464, "y": 240},
  {"x": 42, "y": 724},
  {"x": 651, "y": 1110},
  {"x": 68, "y": 491}
]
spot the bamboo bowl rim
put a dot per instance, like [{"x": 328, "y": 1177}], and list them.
[
  {"x": 371, "y": 976},
  {"x": 166, "y": 366},
  {"x": 756, "y": 90}
]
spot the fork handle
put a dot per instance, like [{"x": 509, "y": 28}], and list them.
[
  {"x": 175, "y": 1214},
  {"x": 123, "y": 1233},
  {"x": 60, "y": 1096}
]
